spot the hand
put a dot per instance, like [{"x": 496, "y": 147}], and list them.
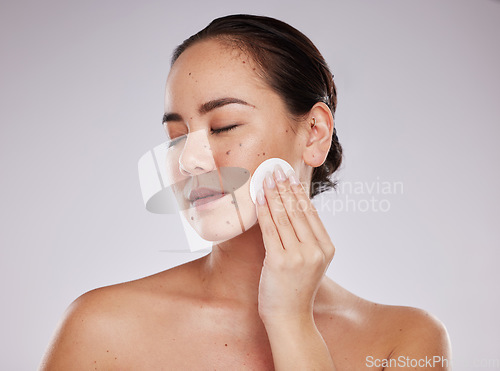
[{"x": 298, "y": 249}]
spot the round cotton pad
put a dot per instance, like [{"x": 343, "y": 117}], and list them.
[{"x": 260, "y": 174}]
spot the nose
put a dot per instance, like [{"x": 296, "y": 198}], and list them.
[{"x": 196, "y": 157}]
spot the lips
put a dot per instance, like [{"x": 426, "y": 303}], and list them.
[{"x": 203, "y": 192}]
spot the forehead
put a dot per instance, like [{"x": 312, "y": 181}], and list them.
[{"x": 210, "y": 70}]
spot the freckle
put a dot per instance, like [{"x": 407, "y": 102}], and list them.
[
  {"x": 107, "y": 351},
  {"x": 244, "y": 62},
  {"x": 253, "y": 68},
  {"x": 400, "y": 329},
  {"x": 189, "y": 73},
  {"x": 313, "y": 155},
  {"x": 286, "y": 130},
  {"x": 228, "y": 152},
  {"x": 240, "y": 144},
  {"x": 258, "y": 154},
  {"x": 227, "y": 222},
  {"x": 232, "y": 202},
  {"x": 331, "y": 317},
  {"x": 192, "y": 218},
  {"x": 116, "y": 358},
  {"x": 263, "y": 153},
  {"x": 226, "y": 344}
]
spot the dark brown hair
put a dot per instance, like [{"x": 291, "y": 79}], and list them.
[{"x": 290, "y": 64}]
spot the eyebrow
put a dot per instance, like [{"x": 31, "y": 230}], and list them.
[{"x": 207, "y": 107}]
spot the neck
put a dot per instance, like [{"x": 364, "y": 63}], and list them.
[{"x": 232, "y": 270}]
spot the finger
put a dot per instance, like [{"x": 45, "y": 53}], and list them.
[
  {"x": 296, "y": 216},
  {"x": 305, "y": 204},
  {"x": 278, "y": 213},
  {"x": 270, "y": 235}
]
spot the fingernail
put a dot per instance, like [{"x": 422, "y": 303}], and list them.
[
  {"x": 280, "y": 175},
  {"x": 269, "y": 180},
  {"x": 260, "y": 197},
  {"x": 293, "y": 178}
]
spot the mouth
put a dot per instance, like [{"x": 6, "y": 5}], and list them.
[
  {"x": 202, "y": 195},
  {"x": 206, "y": 200}
]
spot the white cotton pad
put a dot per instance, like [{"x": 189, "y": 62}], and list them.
[{"x": 260, "y": 174}]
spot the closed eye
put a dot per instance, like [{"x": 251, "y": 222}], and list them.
[
  {"x": 174, "y": 141},
  {"x": 227, "y": 128}
]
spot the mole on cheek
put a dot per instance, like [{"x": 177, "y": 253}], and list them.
[{"x": 228, "y": 152}]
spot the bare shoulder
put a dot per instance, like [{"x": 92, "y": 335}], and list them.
[
  {"x": 364, "y": 331},
  {"x": 96, "y": 328},
  {"x": 414, "y": 322},
  {"x": 421, "y": 331},
  {"x": 84, "y": 331}
]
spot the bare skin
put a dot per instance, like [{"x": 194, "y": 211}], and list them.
[{"x": 216, "y": 312}]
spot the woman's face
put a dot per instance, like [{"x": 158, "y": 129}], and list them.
[{"x": 213, "y": 87}]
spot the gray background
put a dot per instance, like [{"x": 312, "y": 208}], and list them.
[{"x": 82, "y": 97}]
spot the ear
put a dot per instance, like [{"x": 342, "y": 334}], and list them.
[{"x": 319, "y": 137}]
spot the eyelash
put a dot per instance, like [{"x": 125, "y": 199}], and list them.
[
  {"x": 227, "y": 128},
  {"x": 212, "y": 131}
]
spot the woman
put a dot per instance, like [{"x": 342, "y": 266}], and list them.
[{"x": 244, "y": 89}]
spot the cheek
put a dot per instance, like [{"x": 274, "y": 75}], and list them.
[
  {"x": 240, "y": 151},
  {"x": 249, "y": 151}
]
